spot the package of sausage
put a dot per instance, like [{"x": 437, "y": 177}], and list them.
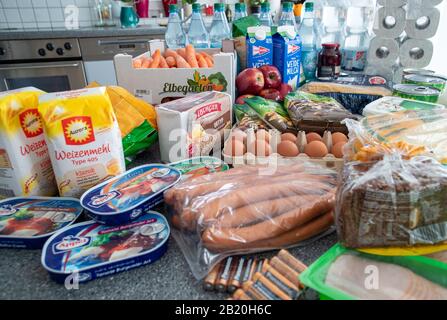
[
  {"x": 83, "y": 138},
  {"x": 250, "y": 209}
]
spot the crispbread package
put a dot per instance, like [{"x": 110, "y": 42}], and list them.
[
  {"x": 83, "y": 138},
  {"x": 25, "y": 167}
]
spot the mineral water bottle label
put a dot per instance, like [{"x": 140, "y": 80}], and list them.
[{"x": 354, "y": 60}]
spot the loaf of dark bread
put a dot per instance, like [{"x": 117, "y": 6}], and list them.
[{"x": 392, "y": 203}]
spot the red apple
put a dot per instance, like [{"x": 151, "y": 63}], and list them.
[
  {"x": 271, "y": 94},
  {"x": 250, "y": 81},
  {"x": 284, "y": 90},
  {"x": 272, "y": 77},
  {"x": 241, "y": 99}
]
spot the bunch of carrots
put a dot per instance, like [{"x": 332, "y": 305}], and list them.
[{"x": 181, "y": 58}]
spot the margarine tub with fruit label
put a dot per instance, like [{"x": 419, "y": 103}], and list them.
[
  {"x": 90, "y": 250},
  {"x": 28, "y": 222},
  {"x": 129, "y": 195}
]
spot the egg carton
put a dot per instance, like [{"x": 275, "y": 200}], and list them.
[{"x": 329, "y": 161}]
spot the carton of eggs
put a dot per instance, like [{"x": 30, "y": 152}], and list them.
[{"x": 252, "y": 147}]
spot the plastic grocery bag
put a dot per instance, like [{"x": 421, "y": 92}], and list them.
[
  {"x": 394, "y": 202},
  {"x": 343, "y": 274},
  {"x": 249, "y": 209},
  {"x": 409, "y": 133}
]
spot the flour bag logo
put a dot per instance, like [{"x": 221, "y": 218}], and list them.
[
  {"x": 69, "y": 243},
  {"x": 78, "y": 130},
  {"x": 31, "y": 123}
]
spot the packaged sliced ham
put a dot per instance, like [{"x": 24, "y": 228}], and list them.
[
  {"x": 83, "y": 138},
  {"x": 25, "y": 166}
]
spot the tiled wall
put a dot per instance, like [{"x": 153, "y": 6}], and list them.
[{"x": 50, "y": 13}]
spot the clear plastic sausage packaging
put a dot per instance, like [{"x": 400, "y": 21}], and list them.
[{"x": 250, "y": 209}]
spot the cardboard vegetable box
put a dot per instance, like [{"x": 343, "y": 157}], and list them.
[{"x": 157, "y": 85}]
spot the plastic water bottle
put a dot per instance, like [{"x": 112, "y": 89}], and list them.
[
  {"x": 219, "y": 27},
  {"x": 197, "y": 34},
  {"x": 332, "y": 22},
  {"x": 265, "y": 17},
  {"x": 359, "y": 19},
  {"x": 175, "y": 36},
  {"x": 308, "y": 34},
  {"x": 240, "y": 11},
  {"x": 287, "y": 17}
]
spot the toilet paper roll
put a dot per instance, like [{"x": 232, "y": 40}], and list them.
[
  {"x": 392, "y": 3},
  {"x": 415, "y": 53},
  {"x": 389, "y": 22},
  {"x": 425, "y": 25},
  {"x": 383, "y": 51},
  {"x": 420, "y": 3}
]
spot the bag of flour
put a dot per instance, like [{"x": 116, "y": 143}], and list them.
[{"x": 83, "y": 138}]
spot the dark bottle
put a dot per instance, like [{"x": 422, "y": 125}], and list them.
[{"x": 329, "y": 61}]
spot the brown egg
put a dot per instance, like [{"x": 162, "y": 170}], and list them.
[
  {"x": 288, "y": 137},
  {"x": 263, "y": 134},
  {"x": 260, "y": 148},
  {"x": 316, "y": 149},
  {"x": 288, "y": 149},
  {"x": 337, "y": 149},
  {"x": 235, "y": 148},
  {"x": 239, "y": 135},
  {"x": 338, "y": 137},
  {"x": 313, "y": 136}
]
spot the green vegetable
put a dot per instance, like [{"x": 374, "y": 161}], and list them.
[
  {"x": 103, "y": 239},
  {"x": 23, "y": 214},
  {"x": 218, "y": 79}
]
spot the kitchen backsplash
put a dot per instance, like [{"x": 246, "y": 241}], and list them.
[{"x": 43, "y": 14}]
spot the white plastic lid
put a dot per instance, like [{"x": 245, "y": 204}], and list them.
[{"x": 288, "y": 30}]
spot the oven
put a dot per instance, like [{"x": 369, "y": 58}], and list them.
[{"x": 50, "y": 65}]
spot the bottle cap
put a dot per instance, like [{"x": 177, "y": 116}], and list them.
[
  {"x": 265, "y": 6},
  {"x": 239, "y": 6},
  {"x": 219, "y": 6},
  {"x": 196, "y": 7},
  {"x": 287, "y": 6},
  {"x": 172, "y": 8},
  {"x": 309, "y": 7}
]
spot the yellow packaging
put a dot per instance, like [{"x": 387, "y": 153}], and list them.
[
  {"x": 83, "y": 138},
  {"x": 25, "y": 166}
]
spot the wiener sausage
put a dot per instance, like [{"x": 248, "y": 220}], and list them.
[
  {"x": 210, "y": 211},
  {"x": 236, "y": 242},
  {"x": 270, "y": 228}
]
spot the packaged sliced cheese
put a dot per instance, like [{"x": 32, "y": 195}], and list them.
[
  {"x": 25, "y": 166},
  {"x": 83, "y": 138}
]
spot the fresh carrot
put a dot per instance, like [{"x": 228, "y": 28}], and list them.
[
  {"x": 137, "y": 63},
  {"x": 182, "y": 53},
  {"x": 181, "y": 63},
  {"x": 170, "y": 53},
  {"x": 201, "y": 60},
  {"x": 191, "y": 56},
  {"x": 146, "y": 63},
  {"x": 171, "y": 61},
  {"x": 208, "y": 58},
  {"x": 156, "y": 59},
  {"x": 163, "y": 63}
]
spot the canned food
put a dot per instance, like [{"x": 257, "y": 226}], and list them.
[
  {"x": 422, "y": 72},
  {"x": 426, "y": 81},
  {"x": 415, "y": 92}
]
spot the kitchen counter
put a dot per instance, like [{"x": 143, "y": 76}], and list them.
[
  {"x": 90, "y": 32},
  {"x": 23, "y": 277}
]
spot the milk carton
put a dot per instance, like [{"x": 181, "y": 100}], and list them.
[
  {"x": 287, "y": 54},
  {"x": 259, "y": 46}
]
